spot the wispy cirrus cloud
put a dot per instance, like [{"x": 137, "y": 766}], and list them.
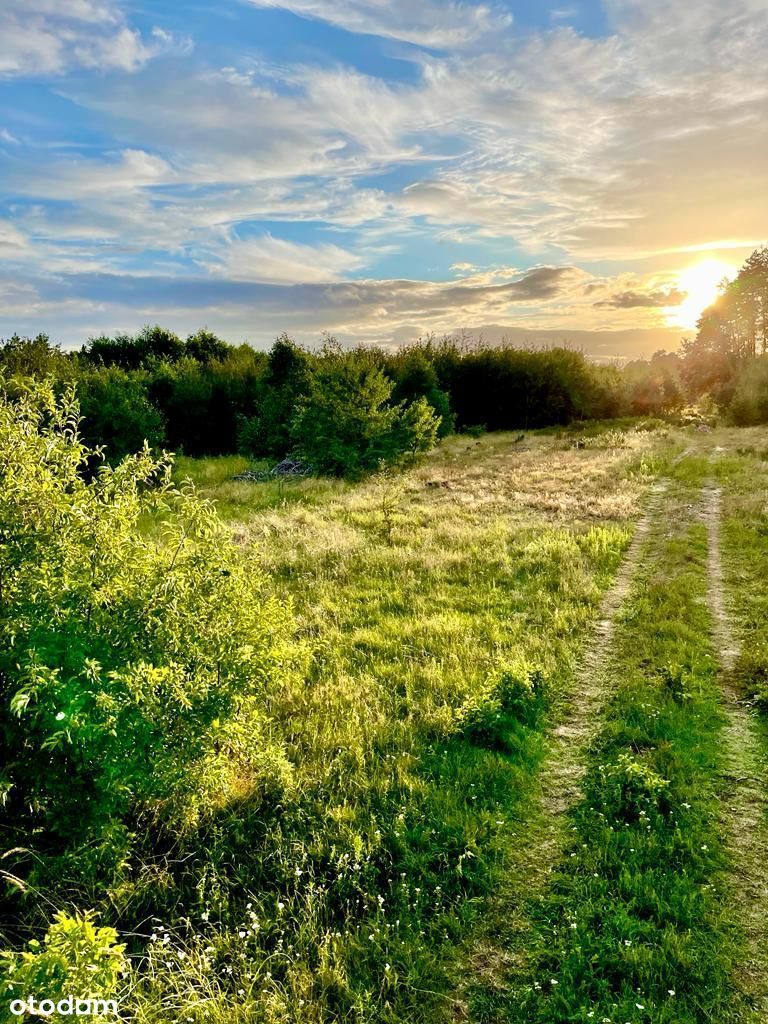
[
  {"x": 272, "y": 260},
  {"x": 44, "y": 37},
  {"x": 431, "y": 23},
  {"x": 268, "y": 187}
]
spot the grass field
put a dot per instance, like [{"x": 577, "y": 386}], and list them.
[
  {"x": 443, "y": 613},
  {"x": 515, "y": 749}
]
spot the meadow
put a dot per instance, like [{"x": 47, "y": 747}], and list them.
[{"x": 487, "y": 773}]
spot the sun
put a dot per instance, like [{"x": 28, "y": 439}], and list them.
[{"x": 701, "y": 284}]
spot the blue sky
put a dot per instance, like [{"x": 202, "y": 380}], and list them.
[{"x": 377, "y": 169}]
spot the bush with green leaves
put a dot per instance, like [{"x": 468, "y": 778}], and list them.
[
  {"x": 286, "y": 381},
  {"x": 76, "y": 959},
  {"x": 117, "y": 412},
  {"x": 137, "y": 669},
  {"x": 348, "y": 425},
  {"x": 415, "y": 377},
  {"x": 749, "y": 404}
]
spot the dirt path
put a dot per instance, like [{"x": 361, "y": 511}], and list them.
[
  {"x": 565, "y": 766},
  {"x": 534, "y": 859},
  {"x": 745, "y": 805}
]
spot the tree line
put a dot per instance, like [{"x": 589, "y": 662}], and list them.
[
  {"x": 348, "y": 411},
  {"x": 728, "y": 358},
  {"x": 344, "y": 411}
]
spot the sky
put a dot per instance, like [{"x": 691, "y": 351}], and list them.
[{"x": 379, "y": 169}]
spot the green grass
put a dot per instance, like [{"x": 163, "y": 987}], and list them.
[
  {"x": 745, "y": 541},
  {"x": 632, "y": 927},
  {"x": 442, "y": 614},
  {"x": 239, "y": 500}
]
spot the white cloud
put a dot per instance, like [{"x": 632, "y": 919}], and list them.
[
  {"x": 43, "y": 37},
  {"x": 12, "y": 241},
  {"x": 608, "y": 147},
  {"x": 646, "y": 143},
  {"x": 277, "y": 261},
  {"x": 440, "y": 24}
]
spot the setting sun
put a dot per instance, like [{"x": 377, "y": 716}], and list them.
[{"x": 701, "y": 284}]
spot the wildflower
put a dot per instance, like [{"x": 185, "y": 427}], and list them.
[{"x": 670, "y": 991}]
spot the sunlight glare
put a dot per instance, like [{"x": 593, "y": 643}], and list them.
[{"x": 701, "y": 284}]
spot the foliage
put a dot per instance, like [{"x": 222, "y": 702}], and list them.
[
  {"x": 206, "y": 347},
  {"x": 749, "y": 403},
  {"x": 347, "y": 425},
  {"x": 285, "y": 383},
  {"x": 732, "y": 331},
  {"x": 213, "y": 398},
  {"x": 655, "y": 386},
  {"x": 416, "y": 430},
  {"x": 76, "y": 958},
  {"x": 415, "y": 376},
  {"x": 137, "y": 671},
  {"x": 151, "y": 344},
  {"x": 32, "y": 357},
  {"x": 117, "y": 412}
]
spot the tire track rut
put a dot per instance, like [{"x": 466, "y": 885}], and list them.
[
  {"x": 745, "y": 805},
  {"x": 496, "y": 957}
]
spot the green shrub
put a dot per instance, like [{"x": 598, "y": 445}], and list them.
[
  {"x": 286, "y": 382},
  {"x": 518, "y": 695},
  {"x": 137, "y": 671},
  {"x": 117, "y": 412},
  {"x": 347, "y": 425},
  {"x": 74, "y": 959},
  {"x": 752, "y": 672},
  {"x": 416, "y": 430},
  {"x": 749, "y": 404},
  {"x": 632, "y": 789},
  {"x": 475, "y": 430},
  {"x": 676, "y": 680}
]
